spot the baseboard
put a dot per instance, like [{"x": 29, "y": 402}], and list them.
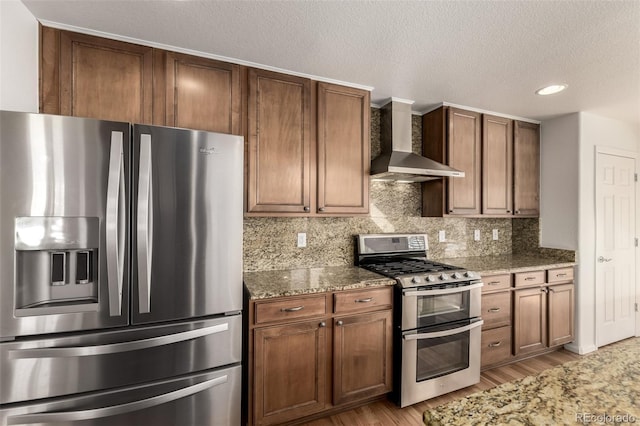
[{"x": 580, "y": 350}]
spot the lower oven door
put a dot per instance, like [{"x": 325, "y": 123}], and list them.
[
  {"x": 439, "y": 359},
  {"x": 445, "y": 303}
]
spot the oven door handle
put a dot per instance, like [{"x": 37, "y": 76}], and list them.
[
  {"x": 443, "y": 333},
  {"x": 443, "y": 291}
]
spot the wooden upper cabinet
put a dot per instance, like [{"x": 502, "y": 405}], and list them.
[
  {"x": 343, "y": 149},
  {"x": 202, "y": 94},
  {"x": 497, "y": 165},
  {"x": 464, "y": 153},
  {"x": 279, "y": 143},
  {"x": 526, "y": 169},
  {"x": 86, "y": 76}
]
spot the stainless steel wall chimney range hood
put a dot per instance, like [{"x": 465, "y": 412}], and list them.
[{"x": 397, "y": 162}]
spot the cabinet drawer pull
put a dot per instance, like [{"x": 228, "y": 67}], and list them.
[
  {"x": 530, "y": 278},
  {"x": 366, "y": 300},
  {"x": 294, "y": 309},
  {"x": 495, "y": 344},
  {"x": 493, "y": 283},
  {"x": 561, "y": 275},
  {"x": 494, "y": 310}
]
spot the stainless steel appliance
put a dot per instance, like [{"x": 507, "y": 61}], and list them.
[
  {"x": 436, "y": 316},
  {"x": 120, "y": 273}
]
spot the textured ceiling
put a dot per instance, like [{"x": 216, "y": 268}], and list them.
[{"x": 490, "y": 55}]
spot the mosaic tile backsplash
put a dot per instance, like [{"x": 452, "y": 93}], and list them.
[{"x": 270, "y": 243}]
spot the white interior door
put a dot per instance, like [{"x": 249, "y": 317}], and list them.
[{"x": 615, "y": 247}]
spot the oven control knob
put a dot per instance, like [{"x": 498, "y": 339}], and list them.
[
  {"x": 431, "y": 278},
  {"x": 469, "y": 274},
  {"x": 457, "y": 276},
  {"x": 444, "y": 276},
  {"x": 416, "y": 280}
]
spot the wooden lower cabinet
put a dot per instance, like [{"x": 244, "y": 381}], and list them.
[
  {"x": 530, "y": 320},
  {"x": 543, "y": 317},
  {"x": 301, "y": 366},
  {"x": 361, "y": 356},
  {"x": 289, "y": 371}
]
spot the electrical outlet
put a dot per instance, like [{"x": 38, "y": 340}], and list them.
[
  {"x": 476, "y": 235},
  {"x": 495, "y": 234},
  {"x": 302, "y": 239},
  {"x": 442, "y": 237}
]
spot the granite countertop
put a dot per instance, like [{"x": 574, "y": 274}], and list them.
[
  {"x": 289, "y": 282},
  {"x": 489, "y": 265}
]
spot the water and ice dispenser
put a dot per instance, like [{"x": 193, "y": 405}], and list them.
[{"x": 56, "y": 267}]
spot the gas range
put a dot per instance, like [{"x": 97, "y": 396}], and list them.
[{"x": 404, "y": 258}]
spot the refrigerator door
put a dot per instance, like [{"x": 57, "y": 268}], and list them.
[
  {"x": 43, "y": 368},
  {"x": 63, "y": 224},
  {"x": 188, "y": 209},
  {"x": 210, "y": 398}
]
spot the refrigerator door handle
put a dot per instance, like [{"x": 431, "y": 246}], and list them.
[
  {"x": 74, "y": 416},
  {"x": 114, "y": 221},
  {"x": 145, "y": 225},
  {"x": 112, "y": 348}
]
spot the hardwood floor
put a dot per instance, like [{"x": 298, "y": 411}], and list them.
[{"x": 386, "y": 413}]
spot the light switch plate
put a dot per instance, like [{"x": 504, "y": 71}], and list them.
[
  {"x": 442, "y": 237},
  {"x": 495, "y": 234},
  {"x": 302, "y": 239},
  {"x": 476, "y": 235}
]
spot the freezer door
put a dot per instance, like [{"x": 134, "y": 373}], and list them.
[
  {"x": 188, "y": 217},
  {"x": 63, "y": 224},
  {"x": 44, "y": 368},
  {"x": 211, "y": 398}
]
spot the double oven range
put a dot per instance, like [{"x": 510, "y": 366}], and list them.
[{"x": 437, "y": 322}]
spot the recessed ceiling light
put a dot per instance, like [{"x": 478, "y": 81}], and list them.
[{"x": 551, "y": 89}]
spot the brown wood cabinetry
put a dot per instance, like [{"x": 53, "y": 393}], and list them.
[
  {"x": 343, "y": 149},
  {"x": 497, "y": 165},
  {"x": 307, "y": 356},
  {"x": 201, "y": 94},
  {"x": 280, "y": 153},
  {"x": 496, "y": 314},
  {"x": 361, "y": 356},
  {"x": 544, "y": 313},
  {"x": 295, "y": 171},
  {"x": 526, "y": 169},
  {"x": 86, "y": 76},
  {"x": 452, "y": 136},
  {"x": 503, "y": 181}
]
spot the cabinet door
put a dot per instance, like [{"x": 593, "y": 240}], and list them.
[
  {"x": 463, "y": 149},
  {"x": 526, "y": 169},
  {"x": 289, "y": 373},
  {"x": 361, "y": 356},
  {"x": 497, "y": 165},
  {"x": 343, "y": 150},
  {"x": 530, "y": 320},
  {"x": 279, "y": 139},
  {"x": 98, "y": 78},
  {"x": 202, "y": 94},
  {"x": 561, "y": 307}
]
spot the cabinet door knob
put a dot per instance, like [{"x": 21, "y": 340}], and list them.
[
  {"x": 322, "y": 324},
  {"x": 339, "y": 322},
  {"x": 321, "y": 209},
  {"x": 508, "y": 211},
  {"x": 544, "y": 290},
  {"x": 307, "y": 208}
]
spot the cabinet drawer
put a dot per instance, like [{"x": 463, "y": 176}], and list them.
[
  {"x": 496, "y": 282},
  {"x": 496, "y": 346},
  {"x": 362, "y": 300},
  {"x": 496, "y": 309},
  {"x": 285, "y": 309},
  {"x": 523, "y": 279},
  {"x": 560, "y": 275}
]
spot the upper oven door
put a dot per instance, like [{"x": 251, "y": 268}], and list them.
[{"x": 425, "y": 307}]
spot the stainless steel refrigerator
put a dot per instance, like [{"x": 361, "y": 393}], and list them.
[{"x": 120, "y": 273}]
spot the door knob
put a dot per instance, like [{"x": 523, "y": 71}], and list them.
[{"x": 603, "y": 259}]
